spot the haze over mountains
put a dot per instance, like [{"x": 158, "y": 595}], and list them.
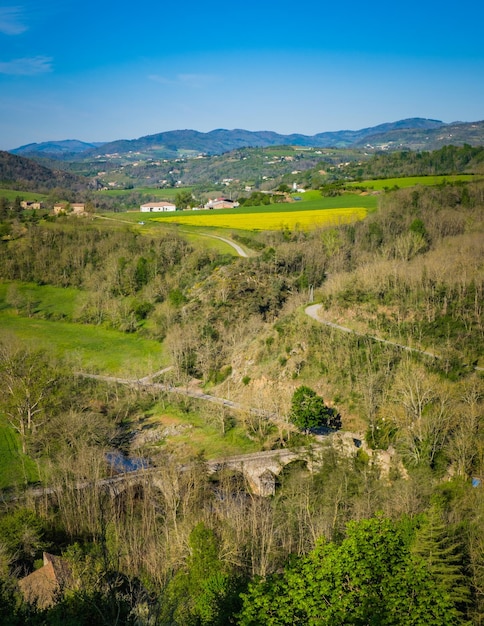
[{"x": 411, "y": 134}]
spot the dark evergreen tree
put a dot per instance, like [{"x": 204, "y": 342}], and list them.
[
  {"x": 442, "y": 554},
  {"x": 309, "y": 411}
]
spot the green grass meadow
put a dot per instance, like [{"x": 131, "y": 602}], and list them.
[
  {"x": 11, "y": 194},
  {"x": 15, "y": 468},
  {"x": 93, "y": 349},
  {"x": 202, "y": 434}
]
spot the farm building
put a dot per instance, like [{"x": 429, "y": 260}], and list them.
[
  {"x": 221, "y": 203},
  {"x": 157, "y": 207},
  {"x": 43, "y": 586},
  {"x": 31, "y": 204},
  {"x": 77, "y": 208}
]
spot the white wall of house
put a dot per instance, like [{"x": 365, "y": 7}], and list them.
[{"x": 155, "y": 207}]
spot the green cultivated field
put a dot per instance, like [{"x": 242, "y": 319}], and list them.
[
  {"x": 168, "y": 193},
  {"x": 411, "y": 181},
  {"x": 309, "y": 211}
]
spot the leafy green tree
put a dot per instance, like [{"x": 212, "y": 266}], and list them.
[
  {"x": 28, "y": 382},
  {"x": 370, "y": 579},
  {"x": 308, "y": 409},
  {"x": 203, "y": 594},
  {"x": 22, "y": 538},
  {"x": 141, "y": 273},
  {"x": 17, "y": 206},
  {"x": 256, "y": 198},
  {"x": 4, "y": 207},
  {"x": 183, "y": 199}
]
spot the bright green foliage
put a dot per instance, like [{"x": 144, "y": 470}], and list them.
[
  {"x": 28, "y": 391},
  {"x": 183, "y": 199},
  {"x": 141, "y": 273},
  {"x": 203, "y": 594},
  {"x": 256, "y": 198},
  {"x": 308, "y": 409},
  {"x": 15, "y": 467},
  {"x": 370, "y": 579},
  {"x": 21, "y": 537}
]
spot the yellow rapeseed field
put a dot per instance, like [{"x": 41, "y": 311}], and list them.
[{"x": 304, "y": 220}]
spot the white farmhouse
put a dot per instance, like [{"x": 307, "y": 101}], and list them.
[
  {"x": 221, "y": 203},
  {"x": 157, "y": 207}
]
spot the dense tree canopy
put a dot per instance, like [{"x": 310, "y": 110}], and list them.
[{"x": 370, "y": 578}]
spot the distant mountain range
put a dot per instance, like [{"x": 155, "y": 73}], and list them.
[
  {"x": 410, "y": 134},
  {"x": 65, "y": 149}
]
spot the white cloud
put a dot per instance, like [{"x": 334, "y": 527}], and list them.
[
  {"x": 29, "y": 66},
  {"x": 11, "y": 22},
  {"x": 160, "y": 79},
  {"x": 195, "y": 81}
]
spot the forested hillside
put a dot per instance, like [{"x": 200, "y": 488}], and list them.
[
  {"x": 387, "y": 528},
  {"x": 23, "y": 174}
]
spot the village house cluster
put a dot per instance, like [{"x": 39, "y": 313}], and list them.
[
  {"x": 60, "y": 208},
  {"x": 163, "y": 206}
]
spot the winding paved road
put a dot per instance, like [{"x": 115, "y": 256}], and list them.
[
  {"x": 313, "y": 311},
  {"x": 240, "y": 251}
]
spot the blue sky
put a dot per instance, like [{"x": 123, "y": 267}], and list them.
[{"x": 104, "y": 70}]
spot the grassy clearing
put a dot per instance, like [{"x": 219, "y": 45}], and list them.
[
  {"x": 51, "y": 302},
  {"x": 311, "y": 200},
  {"x": 199, "y": 434},
  {"x": 208, "y": 240},
  {"x": 15, "y": 468},
  {"x": 91, "y": 348},
  {"x": 11, "y": 194},
  {"x": 411, "y": 181}
]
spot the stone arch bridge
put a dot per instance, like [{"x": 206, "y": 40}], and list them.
[{"x": 260, "y": 469}]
